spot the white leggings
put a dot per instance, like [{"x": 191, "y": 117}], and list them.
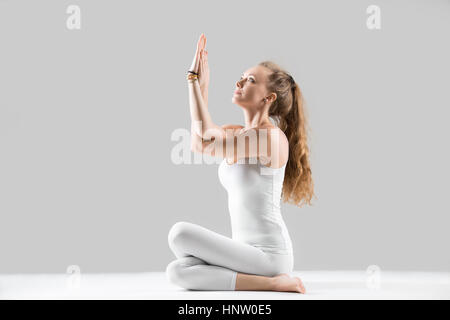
[{"x": 207, "y": 260}]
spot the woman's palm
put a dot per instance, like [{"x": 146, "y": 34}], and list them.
[{"x": 200, "y": 62}]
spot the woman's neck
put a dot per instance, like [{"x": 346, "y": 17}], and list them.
[{"x": 255, "y": 119}]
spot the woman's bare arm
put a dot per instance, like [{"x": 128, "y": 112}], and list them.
[
  {"x": 200, "y": 116},
  {"x": 198, "y": 94},
  {"x": 195, "y": 138}
]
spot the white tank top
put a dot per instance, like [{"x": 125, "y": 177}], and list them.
[{"x": 254, "y": 198}]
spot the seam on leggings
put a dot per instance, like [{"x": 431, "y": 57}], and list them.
[{"x": 233, "y": 281}]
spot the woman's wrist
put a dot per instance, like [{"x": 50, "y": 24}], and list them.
[
  {"x": 192, "y": 76},
  {"x": 192, "y": 81}
]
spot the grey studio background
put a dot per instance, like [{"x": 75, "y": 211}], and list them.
[{"x": 86, "y": 118}]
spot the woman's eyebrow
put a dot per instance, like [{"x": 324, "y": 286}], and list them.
[{"x": 250, "y": 75}]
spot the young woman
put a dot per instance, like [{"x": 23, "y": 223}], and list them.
[{"x": 259, "y": 255}]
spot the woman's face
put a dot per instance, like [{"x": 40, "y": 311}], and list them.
[{"x": 251, "y": 88}]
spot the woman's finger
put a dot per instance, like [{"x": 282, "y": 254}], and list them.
[
  {"x": 203, "y": 42},
  {"x": 200, "y": 40},
  {"x": 199, "y": 44},
  {"x": 196, "y": 56}
]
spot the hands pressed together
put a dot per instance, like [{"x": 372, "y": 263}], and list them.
[{"x": 200, "y": 63}]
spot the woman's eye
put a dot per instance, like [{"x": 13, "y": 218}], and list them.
[{"x": 249, "y": 79}]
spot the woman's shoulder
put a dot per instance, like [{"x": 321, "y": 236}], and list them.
[
  {"x": 274, "y": 129},
  {"x": 280, "y": 158}
]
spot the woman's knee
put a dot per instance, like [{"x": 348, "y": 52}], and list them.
[
  {"x": 177, "y": 270},
  {"x": 174, "y": 273},
  {"x": 179, "y": 232}
]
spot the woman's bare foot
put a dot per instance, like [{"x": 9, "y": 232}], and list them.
[{"x": 283, "y": 282}]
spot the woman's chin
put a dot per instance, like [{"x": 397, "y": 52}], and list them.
[{"x": 235, "y": 101}]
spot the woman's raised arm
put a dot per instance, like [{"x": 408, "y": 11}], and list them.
[{"x": 201, "y": 121}]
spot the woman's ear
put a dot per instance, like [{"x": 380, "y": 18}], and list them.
[{"x": 273, "y": 96}]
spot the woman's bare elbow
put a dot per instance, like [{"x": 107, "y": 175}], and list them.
[
  {"x": 194, "y": 146},
  {"x": 197, "y": 146}
]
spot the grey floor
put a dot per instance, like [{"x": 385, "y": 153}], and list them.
[{"x": 154, "y": 286}]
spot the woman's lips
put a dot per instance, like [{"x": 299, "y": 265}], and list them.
[{"x": 237, "y": 92}]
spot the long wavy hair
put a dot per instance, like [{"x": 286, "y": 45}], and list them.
[{"x": 289, "y": 113}]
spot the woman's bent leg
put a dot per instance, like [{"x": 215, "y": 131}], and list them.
[
  {"x": 194, "y": 274},
  {"x": 210, "y": 261}
]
